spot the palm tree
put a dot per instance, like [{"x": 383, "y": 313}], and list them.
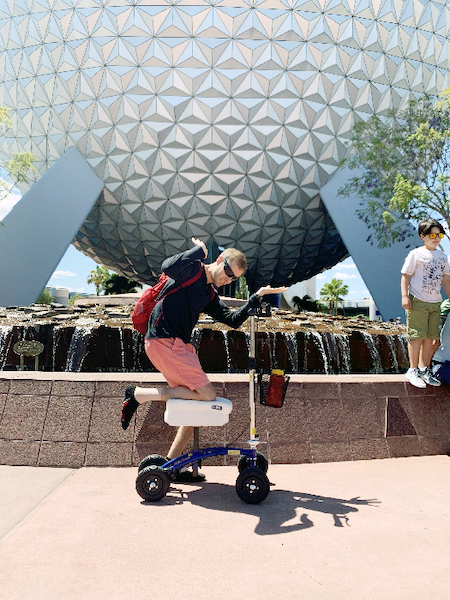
[
  {"x": 333, "y": 293},
  {"x": 98, "y": 278},
  {"x": 307, "y": 303},
  {"x": 118, "y": 284}
]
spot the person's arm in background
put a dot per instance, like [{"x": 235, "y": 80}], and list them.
[
  {"x": 404, "y": 284},
  {"x": 446, "y": 284}
]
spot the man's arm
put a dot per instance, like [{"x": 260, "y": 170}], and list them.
[
  {"x": 219, "y": 311},
  {"x": 175, "y": 266}
]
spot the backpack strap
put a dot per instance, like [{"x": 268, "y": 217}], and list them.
[{"x": 182, "y": 285}]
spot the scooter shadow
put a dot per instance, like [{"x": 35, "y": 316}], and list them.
[{"x": 278, "y": 513}]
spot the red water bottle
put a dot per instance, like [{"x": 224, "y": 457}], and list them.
[{"x": 276, "y": 389}]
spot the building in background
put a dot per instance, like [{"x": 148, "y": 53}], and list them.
[
  {"x": 60, "y": 294},
  {"x": 221, "y": 121},
  {"x": 304, "y": 288}
]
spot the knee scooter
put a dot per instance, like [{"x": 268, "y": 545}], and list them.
[{"x": 252, "y": 485}]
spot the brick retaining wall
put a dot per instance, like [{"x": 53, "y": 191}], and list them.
[{"x": 73, "y": 419}]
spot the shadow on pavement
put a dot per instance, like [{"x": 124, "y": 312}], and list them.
[{"x": 277, "y": 513}]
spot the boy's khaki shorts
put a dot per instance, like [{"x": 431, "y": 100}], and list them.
[{"x": 423, "y": 319}]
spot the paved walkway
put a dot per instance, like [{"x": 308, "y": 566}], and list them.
[{"x": 362, "y": 530}]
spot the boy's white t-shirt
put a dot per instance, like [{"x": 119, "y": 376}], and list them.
[{"x": 426, "y": 267}]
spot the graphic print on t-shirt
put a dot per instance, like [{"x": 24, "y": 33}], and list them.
[{"x": 433, "y": 271}]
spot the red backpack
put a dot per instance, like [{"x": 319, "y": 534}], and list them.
[{"x": 147, "y": 302}]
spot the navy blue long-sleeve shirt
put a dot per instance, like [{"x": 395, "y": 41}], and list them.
[{"x": 176, "y": 314}]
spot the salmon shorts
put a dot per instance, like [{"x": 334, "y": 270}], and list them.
[{"x": 177, "y": 361}]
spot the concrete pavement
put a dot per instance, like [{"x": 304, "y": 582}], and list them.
[{"x": 357, "y": 530}]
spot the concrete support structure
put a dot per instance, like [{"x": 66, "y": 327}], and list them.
[
  {"x": 379, "y": 267},
  {"x": 41, "y": 226}
]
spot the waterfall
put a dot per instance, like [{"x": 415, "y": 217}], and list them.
[
  {"x": 196, "y": 338},
  {"x": 332, "y": 351},
  {"x": 318, "y": 341},
  {"x": 391, "y": 344},
  {"x": 55, "y": 340},
  {"x": 374, "y": 354},
  {"x": 292, "y": 348},
  {"x": 227, "y": 349},
  {"x": 122, "y": 349},
  {"x": 5, "y": 331},
  {"x": 343, "y": 345},
  {"x": 403, "y": 344},
  {"x": 77, "y": 349},
  {"x": 247, "y": 341},
  {"x": 137, "y": 348}
]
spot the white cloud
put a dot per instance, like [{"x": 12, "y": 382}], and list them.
[
  {"x": 342, "y": 266},
  {"x": 345, "y": 276},
  {"x": 361, "y": 293},
  {"x": 321, "y": 276},
  {"x": 58, "y": 274}
]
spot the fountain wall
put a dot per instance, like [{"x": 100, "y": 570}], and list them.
[
  {"x": 73, "y": 419},
  {"x": 119, "y": 349}
]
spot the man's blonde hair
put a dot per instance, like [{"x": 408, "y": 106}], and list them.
[{"x": 236, "y": 255}]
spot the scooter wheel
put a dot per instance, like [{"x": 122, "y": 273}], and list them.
[
  {"x": 244, "y": 462},
  {"x": 252, "y": 486},
  {"x": 152, "y": 459},
  {"x": 152, "y": 483}
]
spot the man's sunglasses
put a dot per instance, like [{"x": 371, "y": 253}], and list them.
[
  {"x": 432, "y": 236},
  {"x": 228, "y": 270}
]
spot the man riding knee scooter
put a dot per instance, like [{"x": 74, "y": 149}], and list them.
[{"x": 167, "y": 341}]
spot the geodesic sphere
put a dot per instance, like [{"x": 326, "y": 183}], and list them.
[{"x": 219, "y": 120}]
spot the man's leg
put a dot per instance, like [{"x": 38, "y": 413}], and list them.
[
  {"x": 179, "y": 364},
  {"x": 134, "y": 396},
  {"x": 185, "y": 432},
  {"x": 205, "y": 392}
]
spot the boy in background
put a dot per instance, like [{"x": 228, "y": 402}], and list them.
[{"x": 424, "y": 271}]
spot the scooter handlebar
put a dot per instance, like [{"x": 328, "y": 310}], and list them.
[{"x": 265, "y": 310}]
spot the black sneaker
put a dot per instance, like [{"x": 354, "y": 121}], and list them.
[{"x": 129, "y": 407}]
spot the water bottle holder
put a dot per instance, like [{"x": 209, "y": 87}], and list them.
[{"x": 276, "y": 400}]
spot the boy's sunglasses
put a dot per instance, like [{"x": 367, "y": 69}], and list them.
[
  {"x": 433, "y": 236},
  {"x": 228, "y": 270}
]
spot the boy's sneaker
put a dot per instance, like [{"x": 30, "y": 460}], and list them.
[
  {"x": 414, "y": 377},
  {"x": 428, "y": 377}
]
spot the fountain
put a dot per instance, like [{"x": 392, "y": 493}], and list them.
[{"x": 99, "y": 339}]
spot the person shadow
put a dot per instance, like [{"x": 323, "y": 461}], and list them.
[{"x": 278, "y": 513}]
